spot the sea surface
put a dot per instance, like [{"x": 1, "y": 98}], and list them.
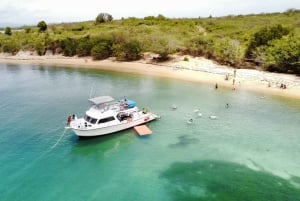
[{"x": 249, "y": 152}]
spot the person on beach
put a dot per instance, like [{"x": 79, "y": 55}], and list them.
[
  {"x": 226, "y": 77},
  {"x": 234, "y": 73},
  {"x": 216, "y": 86},
  {"x": 282, "y": 86}
]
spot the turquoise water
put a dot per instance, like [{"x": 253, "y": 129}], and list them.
[{"x": 251, "y": 152}]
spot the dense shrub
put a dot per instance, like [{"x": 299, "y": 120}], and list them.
[
  {"x": 263, "y": 36},
  {"x": 27, "y": 29},
  {"x": 128, "y": 51},
  {"x": 161, "y": 17},
  {"x": 102, "y": 50},
  {"x": 54, "y": 46},
  {"x": 163, "y": 56},
  {"x": 163, "y": 48},
  {"x": 149, "y": 18},
  {"x": 40, "y": 48},
  {"x": 228, "y": 51},
  {"x": 69, "y": 47},
  {"x": 282, "y": 55},
  {"x": 224, "y": 39},
  {"x": 10, "y": 46},
  {"x": 84, "y": 47},
  {"x": 199, "y": 46}
]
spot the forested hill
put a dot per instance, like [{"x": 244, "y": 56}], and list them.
[{"x": 271, "y": 41}]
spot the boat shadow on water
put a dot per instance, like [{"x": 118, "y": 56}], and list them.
[
  {"x": 82, "y": 140},
  {"x": 102, "y": 146}
]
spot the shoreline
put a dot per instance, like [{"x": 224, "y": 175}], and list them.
[{"x": 196, "y": 69}]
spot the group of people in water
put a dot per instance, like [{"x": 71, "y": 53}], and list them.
[{"x": 191, "y": 120}]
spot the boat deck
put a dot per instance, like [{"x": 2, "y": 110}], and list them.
[{"x": 142, "y": 130}]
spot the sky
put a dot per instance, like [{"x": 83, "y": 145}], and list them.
[{"x": 30, "y": 12}]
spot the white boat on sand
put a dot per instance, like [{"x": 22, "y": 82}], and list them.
[{"x": 107, "y": 115}]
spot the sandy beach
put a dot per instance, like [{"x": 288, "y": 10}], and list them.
[{"x": 195, "y": 69}]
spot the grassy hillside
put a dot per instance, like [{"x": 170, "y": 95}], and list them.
[{"x": 269, "y": 40}]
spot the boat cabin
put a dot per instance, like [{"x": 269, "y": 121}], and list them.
[{"x": 106, "y": 109}]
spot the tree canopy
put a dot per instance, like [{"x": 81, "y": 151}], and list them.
[
  {"x": 264, "y": 35},
  {"x": 42, "y": 26},
  {"x": 8, "y": 31},
  {"x": 103, "y": 17}
]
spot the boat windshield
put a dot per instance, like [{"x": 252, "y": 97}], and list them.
[{"x": 90, "y": 119}]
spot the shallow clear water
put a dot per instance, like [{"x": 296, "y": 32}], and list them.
[{"x": 251, "y": 152}]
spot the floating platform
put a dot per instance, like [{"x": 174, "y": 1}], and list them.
[{"x": 142, "y": 130}]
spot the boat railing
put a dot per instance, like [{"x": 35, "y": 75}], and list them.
[{"x": 115, "y": 106}]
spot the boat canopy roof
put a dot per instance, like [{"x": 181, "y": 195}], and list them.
[
  {"x": 101, "y": 99},
  {"x": 130, "y": 103}
]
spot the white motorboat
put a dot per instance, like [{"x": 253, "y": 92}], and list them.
[{"x": 107, "y": 115}]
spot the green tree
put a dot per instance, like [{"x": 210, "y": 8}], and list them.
[
  {"x": 8, "y": 31},
  {"x": 263, "y": 36},
  {"x": 69, "y": 47},
  {"x": 42, "y": 26},
  {"x": 103, "y": 17},
  {"x": 102, "y": 50},
  {"x": 161, "y": 17},
  {"x": 128, "y": 51},
  {"x": 282, "y": 55},
  {"x": 10, "y": 46},
  {"x": 200, "y": 46},
  {"x": 27, "y": 30},
  {"x": 149, "y": 18},
  {"x": 164, "y": 47},
  {"x": 84, "y": 47},
  {"x": 228, "y": 51},
  {"x": 40, "y": 48}
]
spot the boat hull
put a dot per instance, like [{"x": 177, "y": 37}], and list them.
[{"x": 114, "y": 128}]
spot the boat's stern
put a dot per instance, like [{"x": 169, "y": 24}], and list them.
[
  {"x": 78, "y": 124},
  {"x": 74, "y": 123},
  {"x": 154, "y": 116}
]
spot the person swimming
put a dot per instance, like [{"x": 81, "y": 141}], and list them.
[{"x": 190, "y": 121}]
